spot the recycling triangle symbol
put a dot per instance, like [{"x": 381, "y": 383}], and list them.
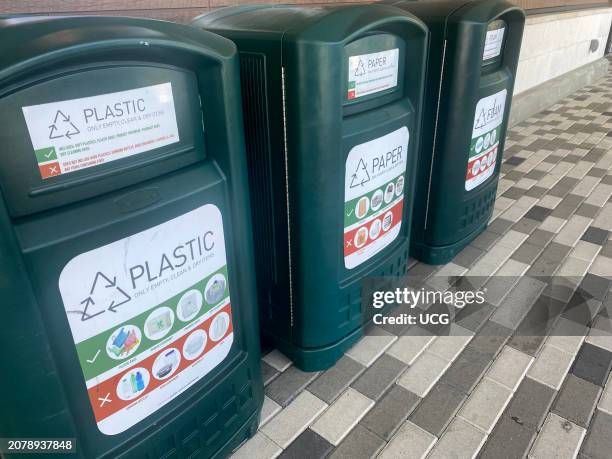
[
  {"x": 104, "y": 295},
  {"x": 62, "y": 127},
  {"x": 481, "y": 121},
  {"x": 361, "y": 175},
  {"x": 360, "y": 70}
]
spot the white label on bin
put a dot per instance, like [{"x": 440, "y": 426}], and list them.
[
  {"x": 484, "y": 146},
  {"x": 374, "y": 186},
  {"x": 493, "y": 43},
  {"x": 371, "y": 73},
  {"x": 72, "y": 135},
  {"x": 150, "y": 315}
]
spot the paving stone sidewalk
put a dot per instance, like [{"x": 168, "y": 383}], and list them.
[{"x": 493, "y": 388}]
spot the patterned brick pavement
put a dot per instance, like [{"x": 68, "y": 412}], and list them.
[{"x": 496, "y": 387}]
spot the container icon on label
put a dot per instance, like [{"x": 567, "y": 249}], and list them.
[
  {"x": 478, "y": 146},
  {"x": 159, "y": 323},
  {"x": 361, "y": 237},
  {"x": 487, "y": 140},
  {"x": 189, "y": 305},
  {"x": 133, "y": 383},
  {"x": 166, "y": 363},
  {"x": 375, "y": 228},
  {"x": 123, "y": 342},
  {"x": 362, "y": 207},
  {"x": 219, "y": 326},
  {"x": 389, "y": 192},
  {"x": 377, "y": 199},
  {"x": 387, "y": 221},
  {"x": 194, "y": 345},
  {"x": 215, "y": 289},
  {"x": 483, "y": 164},
  {"x": 399, "y": 186},
  {"x": 490, "y": 158},
  {"x": 493, "y": 136},
  {"x": 476, "y": 167}
]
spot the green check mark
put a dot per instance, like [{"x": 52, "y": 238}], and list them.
[{"x": 45, "y": 154}]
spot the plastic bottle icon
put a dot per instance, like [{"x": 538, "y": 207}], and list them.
[
  {"x": 139, "y": 381},
  {"x": 133, "y": 383}
]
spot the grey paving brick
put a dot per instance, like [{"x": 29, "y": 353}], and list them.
[
  {"x": 598, "y": 443},
  {"x": 596, "y": 235},
  {"x": 342, "y": 415},
  {"x": 526, "y": 225},
  {"x": 514, "y": 160},
  {"x": 558, "y": 438},
  {"x": 540, "y": 237},
  {"x": 460, "y": 440},
  {"x": 567, "y": 207},
  {"x": 551, "y": 366},
  {"x": 474, "y": 316},
  {"x": 288, "y": 385},
  {"x": 360, "y": 443},
  {"x": 486, "y": 240},
  {"x": 308, "y": 444},
  {"x": 490, "y": 339},
  {"x": 467, "y": 370},
  {"x": 577, "y": 400},
  {"x": 594, "y": 286},
  {"x": 514, "y": 192},
  {"x": 468, "y": 256},
  {"x": 375, "y": 381},
  {"x": 499, "y": 226},
  {"x": 527, "y": 253},
  {"x": 257, "y": 447},
  {"x": 268, "y": 372},
  {"x": 485, "y": 404},
  {"x": 536, "y": 191},
  {"x": 438, "y": 408},
  {"x": 518, "y": 302},
  {"x": 581, "y": 308},
  {"x": 390, "y": 412},
  {"x": 410, "y": 442},
  {"x": 588, "y": 210},
  {"x": 509, "y": 440},
  {"x": 332, "y": 382},
  {"x": 530, "y": 404},
  {"x": 538, "y": 213},
  {"x": 593, "y": 364}
]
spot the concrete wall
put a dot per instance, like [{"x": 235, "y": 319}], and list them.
[{"x": 555, "y": 44}]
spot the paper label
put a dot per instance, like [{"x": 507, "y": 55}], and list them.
[
  {"x": 484, "y": 146},
  {"x": 371, "y": 73},
  {"x": 150, "y": 315},
  {"x": 374, "y": 196},
  {"x": 77, "y": 134},
  {"x": 493, "y": 43}
]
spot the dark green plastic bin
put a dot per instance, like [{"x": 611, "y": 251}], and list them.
[
  {"x": 473, "y": 55},
  {"x": 124, "y": 227},
  {"x": 332, "y": 104}
]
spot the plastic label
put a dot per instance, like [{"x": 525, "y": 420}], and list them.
[
  {"x": 77, "y": 134},
  {"x": 150, "y": 315},
  {"x": 371, "y": 73},
  {"x": 493, "y": 43},
  {"x": 484, "y": 146},
  {"x": 374, "y": 196}
]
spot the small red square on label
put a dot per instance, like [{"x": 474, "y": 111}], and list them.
[
  {"x": 50, "y": 170},
  {"x": 351, "y": 95}
]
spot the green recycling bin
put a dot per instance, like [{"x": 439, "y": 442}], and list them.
[
  {"x": 473, "y": 55},
  {"x": 332, "y": 105},
  {"x": 128, "y": 306}
]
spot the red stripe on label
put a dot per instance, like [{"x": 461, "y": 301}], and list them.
[
  {"x": 475, "y": 168},
  {"x": 359, "y": 237},
  {"x": 103, "y": 397}
]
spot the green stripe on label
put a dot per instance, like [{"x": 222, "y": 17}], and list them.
[{"x": 350, "y": 207}]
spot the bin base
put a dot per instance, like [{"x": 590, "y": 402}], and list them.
[
  {"x": 318, "y": 358},
  {"x": 442, "y": 254},
  {"x": 244, "y": 433}
]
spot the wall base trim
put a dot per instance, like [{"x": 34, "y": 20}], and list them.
[{"x": 550, "y": 92}]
